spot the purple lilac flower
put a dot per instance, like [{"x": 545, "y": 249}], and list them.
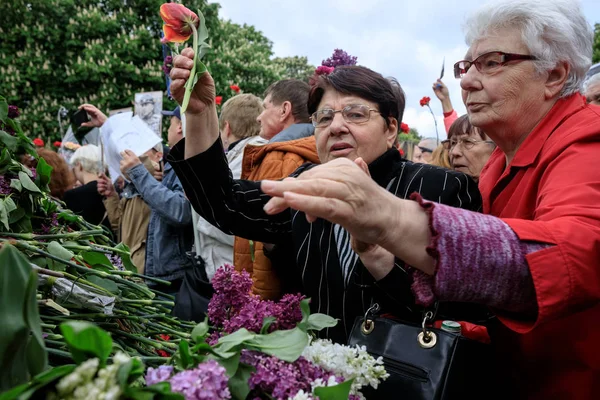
[
  {"x": 167, "y": 65},
  {"x": 13, "y": 112},
  {"x": 339, "y": 57},
  {"x": 252, "y": 315},
  {"x": 34, "y": 173},
  {"x": 5, "y": 185},
  {"x": 160, "y": 374},
  {"x": 289, "y": 311},
  {"x": 116, "y": 261},
  {"x": 232, "y": 290},
  {"x": 281, "y": 379},
  {"x": 206, "y": 382}
]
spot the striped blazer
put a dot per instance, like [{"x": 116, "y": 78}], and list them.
[{"x": 331, "y": 273}]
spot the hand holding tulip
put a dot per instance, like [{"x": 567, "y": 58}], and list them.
[{"x": 203, "y": 93}]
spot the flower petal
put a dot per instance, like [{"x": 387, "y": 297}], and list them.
[
  {"x": 173, "y": 36},
  {"x": 178, "y": 16}
]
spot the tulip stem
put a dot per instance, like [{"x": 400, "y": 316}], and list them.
[{"x": 189, "y": 86}]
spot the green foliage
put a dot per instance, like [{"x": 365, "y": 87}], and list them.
[
  {"x": 65, "y": 52},
  {"x": 294, "y": 68},
  {"x": 596, "y": 45},
  {"x": 85, "y": 340},
  {"x": 22, "y": 352}
]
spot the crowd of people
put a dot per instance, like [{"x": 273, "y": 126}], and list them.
[{"x": 306, "y": 189}]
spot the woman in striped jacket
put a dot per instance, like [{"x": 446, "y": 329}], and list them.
[{"x": 356, "y": 113}]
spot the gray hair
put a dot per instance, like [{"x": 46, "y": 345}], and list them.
[
  {"x": 88, "y": 157},
  {"x": 553, "y": 31},
  {"x": 591, "y": 81}
]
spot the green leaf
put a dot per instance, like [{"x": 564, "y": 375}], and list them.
[
  {"x": 9, "y": 141},
  {"x": 85, "y": 340},
  {"x": 68, "y": 216},
  {"x": 43, "y": 170},
  {"x": 231, "y": 364},
  {"x": 286, "y": 345},
  {"x": 200, "y": 331},
  {"x": 5, "y": 157},
  {"x": 129, "y": 371},
  {"x": 3, "y": 109},
  {"x": 16, "y": 184},
  {"x": 57, "y": 250},
  {"x": 238, "y": 337},
  {"x": 340, "y": 391},
  {"x": 39, "y": 261},
  {"x": 305, "y": 309},
  {"x": 202, "y": 30},
  {"x": 10, "y": 205},
  {"x": 37, "y": 383},
  {"x": 22, "y": 351},
  {"x": 316, "y": 322},
  {"x": 158, "y": 391},
  {"x": 185, "y": 359},
  {"x": 4, "y": 215},
  {"x": 28, "y": 183},
  {"x": 95, "y": 258},
  {"x": 126, "y": 258},
  {"x": 267, "y": 322},
  {"x": 238, "y": 384},
  {"x": 104, "y": 283},
  {"x": 16, "y": 215}
]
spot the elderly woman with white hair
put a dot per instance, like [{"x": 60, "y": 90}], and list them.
[
  {"x": 85, "y": 199},
  {"x": 535, "y": 257}
]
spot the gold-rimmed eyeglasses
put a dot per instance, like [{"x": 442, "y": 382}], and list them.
[
  {"x": 466, "y": 143},
  {"x": 353, "y": 113}
]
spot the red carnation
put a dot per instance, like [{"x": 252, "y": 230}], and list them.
[
  {"x": 324, "y": 70},
  {"x": 218, "y": 100},
  {"x": 404, "y": 128},
  {"x": 401, "y": 152},
  {"x": 58, "y": 143},
  {"x": 425, "y": 101},
  {"x": 38, "y": 142},
  {"x": 235, "y": 88}
]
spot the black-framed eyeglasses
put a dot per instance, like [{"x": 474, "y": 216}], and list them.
[
  {"x": 466, "y": 143},
  {"x": 488, "y": 62},
  {"x": 353, "y": 113}
]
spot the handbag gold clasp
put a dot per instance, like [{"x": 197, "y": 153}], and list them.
[
  {"x": 368, "y": 323},
  {"x": 427, "y": 339}
]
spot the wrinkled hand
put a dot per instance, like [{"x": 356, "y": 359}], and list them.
[
  {"x": 203, "y": 94},
  {"x": 378, "y": 261},
  {"x": 339, "y": 191},
  {"x": 441, "y": 90},
  {"x": 128, "y": 161},
  {"x": 98, "y": 118},
  {"x": 105, "y": 186}
]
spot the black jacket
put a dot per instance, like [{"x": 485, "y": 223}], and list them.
[{"x": 331, "y": 273}]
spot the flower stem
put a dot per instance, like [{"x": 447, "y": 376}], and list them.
[
  {"x": 189, "y": 86},
  {"x": 437, "y": 135}
]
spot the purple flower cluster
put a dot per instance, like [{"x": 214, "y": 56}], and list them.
[
  {"x": 233, "y": 306},
  {"x": 167, "y": 65},
  {"x": 339, "y": 57},
  {"x": 13, "y": 112},
  {"x": 282, "y": 379},
  {"x": 208, "y": 381},
  {"x": 5, "y": 185},
  {"x": 116, "y": 261},
  {"x": 160, "y": 374}
]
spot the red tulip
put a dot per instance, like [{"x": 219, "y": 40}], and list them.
[
  {"x": 178, "y": 22},
  {"x": 57, "y": 143},
  {"x": 218, "y": 100},
  {"x": 424, "y": 101},
  {"x": 404, "y": 128},
  {"x": 235, "y": 88},
  {"x": 38, "y": 142}
]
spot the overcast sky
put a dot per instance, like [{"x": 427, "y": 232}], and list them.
[{"x": 404, "y": 39}]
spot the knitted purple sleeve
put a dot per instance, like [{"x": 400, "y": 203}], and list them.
[{"x": 479, "y": 260}]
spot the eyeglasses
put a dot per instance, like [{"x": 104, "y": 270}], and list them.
[
  {"x": 354, "y": 114},
  {"x": 466, "y": 143},
  {"x": 488, "y": 62}
]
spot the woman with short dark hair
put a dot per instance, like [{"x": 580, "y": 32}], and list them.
[{"x": 356, "y": 113}]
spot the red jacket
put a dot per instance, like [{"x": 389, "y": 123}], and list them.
[{"x": 550, "y": 193}]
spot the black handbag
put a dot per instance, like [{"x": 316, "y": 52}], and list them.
[
  {"x": 195, "y": 292},
  {"x": 424, "y": 363}
]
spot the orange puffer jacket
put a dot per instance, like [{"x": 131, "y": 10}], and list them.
[{"x": 271, "y": 161}]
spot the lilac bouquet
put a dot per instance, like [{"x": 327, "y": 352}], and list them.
[{"x": 258, "y": 349}]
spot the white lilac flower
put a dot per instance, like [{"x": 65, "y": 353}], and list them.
[
  {"x": 80, "y": 376},
  {"x": 302, "y": 396},
  {"x": 349, "y": 362}
]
